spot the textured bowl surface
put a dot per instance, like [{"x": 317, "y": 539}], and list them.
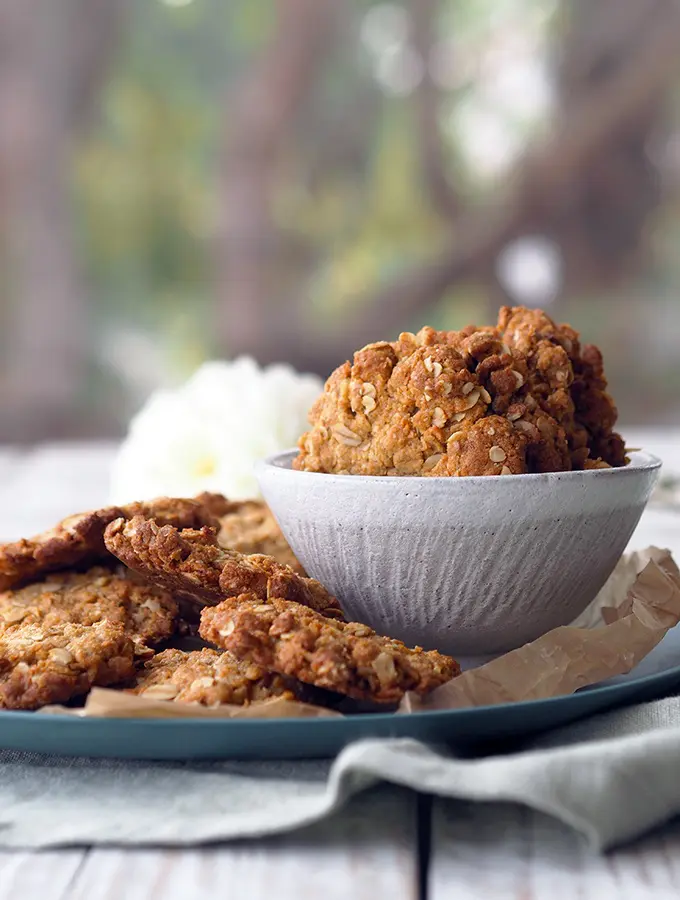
[{"x": 470, "y": 566}]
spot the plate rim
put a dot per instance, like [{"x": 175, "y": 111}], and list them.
[{"x": 518, "y": 706}]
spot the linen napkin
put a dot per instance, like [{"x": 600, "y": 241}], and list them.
[{"x": 611, "y": 777}]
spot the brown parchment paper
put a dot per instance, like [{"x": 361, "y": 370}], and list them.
[
  {"x": 636, "y": 608},
  {"x": 114, "y": 704},
  {"x": 627, "y": 619}
]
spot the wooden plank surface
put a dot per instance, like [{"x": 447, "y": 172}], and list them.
[
  {"x": 38, "y": 876},
  {"x": 365, "y": 853},
  {"x": 506, "y": 852}
]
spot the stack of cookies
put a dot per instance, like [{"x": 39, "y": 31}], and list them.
[
  {"x": 104, "y": 597},
  {"x": 521, "y": 396}
]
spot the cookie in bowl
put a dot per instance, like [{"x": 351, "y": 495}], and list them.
[{"x": 517, "y": 397}]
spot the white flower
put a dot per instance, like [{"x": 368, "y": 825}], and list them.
[{"x": 207, "y": 434}]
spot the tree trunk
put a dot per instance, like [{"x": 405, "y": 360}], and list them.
[
  {"x": 261, "y": 118},
  {"x": 51, "y": 53}
]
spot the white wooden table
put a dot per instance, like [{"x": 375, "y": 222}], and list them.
[{"x": 389, "y": 843}]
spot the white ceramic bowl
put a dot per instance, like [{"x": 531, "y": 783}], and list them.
[{"x": 470, "y": 566}]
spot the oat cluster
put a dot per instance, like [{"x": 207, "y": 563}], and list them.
[
  {"x": 51, "y": 664},
  {"x": 146, "y": 613},
  {"x": 521, "y": 396},
  {"x": 207, "y": 677}
]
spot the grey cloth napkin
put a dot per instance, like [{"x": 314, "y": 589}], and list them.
[{"x": 611, "y": 777}]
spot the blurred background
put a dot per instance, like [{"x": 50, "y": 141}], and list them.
[{"x": 186, "y": 179}]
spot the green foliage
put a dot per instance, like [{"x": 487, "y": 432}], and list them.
[
  {"x": 145, "y": 174},
  {"x": 350, "y": 208}
]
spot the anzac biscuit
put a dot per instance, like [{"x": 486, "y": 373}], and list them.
[
  {"x": 192, "y": 562},
  {"x": 345, "y": 657},
  {"x": 51, "y": 664}
]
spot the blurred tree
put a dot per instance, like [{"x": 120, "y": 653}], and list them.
[
  {"x": 601, "y": 228},
  {"x": 585, "y": 189},
  {"x": 589, "y": 126},
  {"x": 53, "y": 58},
  {"x": 263, "y": 110},
  {"x": 294, "y": 179}
]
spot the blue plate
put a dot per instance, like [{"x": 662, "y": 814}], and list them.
[{"x": 464, "y": 730}]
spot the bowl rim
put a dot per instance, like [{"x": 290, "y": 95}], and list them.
[{"x": 640, "y": 462}]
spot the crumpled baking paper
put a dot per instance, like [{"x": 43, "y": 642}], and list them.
[
  {"x": 627, "y": 619},
  {"x": 112, "y": 704}
]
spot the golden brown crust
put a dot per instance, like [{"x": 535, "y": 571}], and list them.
[
  {"x": 41, "y": 665},
  {"x": 192, "y": 562},
  {"x": 568, "y": 384},
  {"x": 207, "y": 677},
  {"x": 349, "y": 658},
  {"x": 250, "y": 527},
  {"x": 78, "y": 541},
  {"x": 146, "y": 613},
  {"x": 410, "y": 407},
  {"x": 489, "y": 447}
]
